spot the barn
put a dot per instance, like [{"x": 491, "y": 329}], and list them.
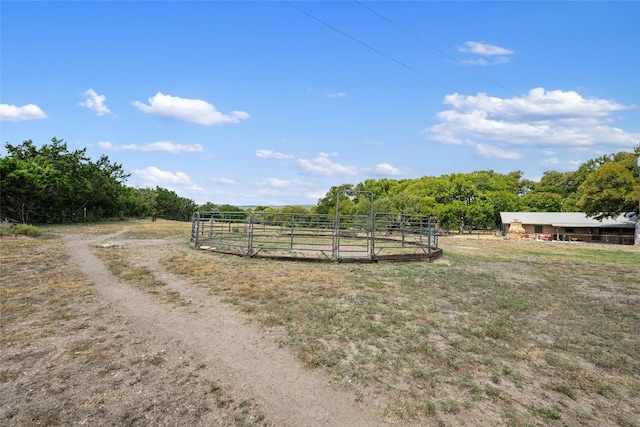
[{"x": 571, "y": 226}]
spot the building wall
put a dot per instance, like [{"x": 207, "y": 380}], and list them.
[
  {"x": 604, "y": 235},
  {"x": 530, "y": 229}
]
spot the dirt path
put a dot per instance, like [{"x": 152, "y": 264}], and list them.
[{"x": 246, "y": 357}]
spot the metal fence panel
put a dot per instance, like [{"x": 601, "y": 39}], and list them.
[
  {"x": 383, "y": 236},
  {"x": 404, "y": 234},
  {"x": 292, "y": 235},
  {"x": 353, "y": 237},
  {"x": 224, "y": 231}
]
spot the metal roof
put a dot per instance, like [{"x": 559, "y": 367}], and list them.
[{"x": 568, "y": 219}]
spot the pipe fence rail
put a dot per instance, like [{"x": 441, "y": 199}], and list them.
[{"x": 314, "y": 237}]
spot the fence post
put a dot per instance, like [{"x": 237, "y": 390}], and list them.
[
  {"x": 196, "y": 218},
  {"x": 293, "y": 218},
  {"x": 250, "y": 237}
]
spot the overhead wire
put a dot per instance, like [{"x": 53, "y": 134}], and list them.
[
  {"x": 426, "y": 43},
  {"x": 389, "y": 57},
  {"x": 353, "y": 38},
  {"x": 442, "y": 52},
  {"x": 447, "y": 55}
]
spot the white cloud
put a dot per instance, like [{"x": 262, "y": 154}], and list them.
[
  {"x": 270, "y": 154},
  {"x": 159, "y": 146},
  {"x": 106, "y": 145},
  {"x": 274, "y": 182},
  {"x": 490, "y": 54},
  {"x": 484, "y": 61},
  {"x": 550, "y": 161},
  {"x": 557, "y": 164},
  {"x": 491, "y": 152},
  {"x": 484, "y": 49},
  {"x": 281, "y": 192},
  {"x": 336, "y": 95},
  {"x": 537, "y": 104},
  {"x": 225, "y": 181},
  {"x": 154, "y": 176},
  {"x": 188, "y": 110},
  {"x": 170, "y": 147},
  {"x": 322, "y": 165},
  {"x": 387, "y": 170},
  {"x": 539, "y": 119},
  {"x": 12, "y": 113},
  {"x": 95, "y": 102}
]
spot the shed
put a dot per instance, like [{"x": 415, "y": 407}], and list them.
[{"x": 572, "y": 226}]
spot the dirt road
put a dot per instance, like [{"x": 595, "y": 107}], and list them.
[{"x": 245, "y": 357}]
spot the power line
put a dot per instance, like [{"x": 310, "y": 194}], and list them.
[
  {"x": 354, "y": 39},
  {"x": 517, "y": 95},
  {"x": 406, "y": 31},
  {"x": 426, "y": 43},
  {"x": 389, "y": 57}
]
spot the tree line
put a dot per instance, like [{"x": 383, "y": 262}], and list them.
[
  {"x": 603, "y": 187},
  {"x": 55, "y": 185}
]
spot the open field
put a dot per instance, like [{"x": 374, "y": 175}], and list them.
[{"x": 495, "y": 333}]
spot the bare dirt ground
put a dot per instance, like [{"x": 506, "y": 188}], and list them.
[
  {"x": 122, "y": 358},
  {"x": 124, "y": 324}
]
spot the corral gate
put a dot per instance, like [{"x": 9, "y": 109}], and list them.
[
  {"x": 383, "y": 236},
  {"x": 353, "y": 238}
]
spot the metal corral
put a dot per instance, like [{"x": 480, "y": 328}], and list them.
[{"x": 310, "y": 237}]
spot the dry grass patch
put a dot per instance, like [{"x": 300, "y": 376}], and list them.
[
  {"x": 67, "y": 359},
  {"x": 88, "y": 228},
  {"x": 504, "y": 332},
  {"x": 516, "y": 333},
  {"x": 129, "y": 266},
  {"x": 36, "y": 289}
]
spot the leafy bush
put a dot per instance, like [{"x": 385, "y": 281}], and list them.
[{"x": 24, "y": 229}]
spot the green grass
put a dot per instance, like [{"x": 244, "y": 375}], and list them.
[{"x": 20, "y": 230}]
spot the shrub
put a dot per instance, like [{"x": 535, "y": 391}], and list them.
[{"x": 25, "y": 230}]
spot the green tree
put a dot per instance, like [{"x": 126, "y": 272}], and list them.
[
  {"x": 143, "y": 202},
  {"x": 611, "y": 189},
  {"x": 53, "y": 184},
  {"x": 232, "y": 212},
  {"x": 171, "y": 206},
  {"x": 22, "y": 186},
  {"x": 542, "y": 201},
  {"x": 327, "y": 205},
  {"x": 207, "y": 207},
  {"x": 294, "y": 209},
  {"x": 562, "y": 184},
  {"x": 378, "y": 188}
]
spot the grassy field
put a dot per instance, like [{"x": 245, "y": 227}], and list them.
[
  {"x": 497, "y": 332},
  {"x": 520, "y": 333}
]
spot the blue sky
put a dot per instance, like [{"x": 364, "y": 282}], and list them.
[{"x": 273, "y": 102}]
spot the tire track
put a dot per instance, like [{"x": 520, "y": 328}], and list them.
[{"x": 288, "y": 393}]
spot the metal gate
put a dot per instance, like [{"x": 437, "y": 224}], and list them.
[
  {"x": 341, "y": 238},
  {"x": 353, "y": 238}
]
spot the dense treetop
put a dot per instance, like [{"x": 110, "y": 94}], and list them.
[{"x": 53, "y": 184}]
